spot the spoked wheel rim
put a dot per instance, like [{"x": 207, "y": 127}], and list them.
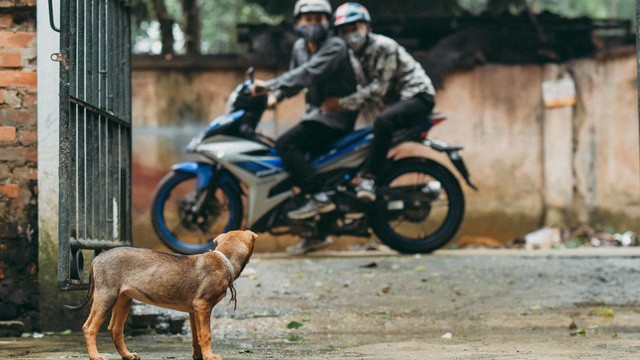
[{"x": 190, "y": 220}]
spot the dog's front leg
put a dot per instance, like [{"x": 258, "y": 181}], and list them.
[
  {"x": 197, "y": 351},
  {"x": 202, "y": 312}
]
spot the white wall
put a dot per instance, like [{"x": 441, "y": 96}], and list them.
[{"x": 48, "y": 119}]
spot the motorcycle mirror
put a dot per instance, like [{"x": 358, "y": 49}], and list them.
[{"x": 250, "y": 72}]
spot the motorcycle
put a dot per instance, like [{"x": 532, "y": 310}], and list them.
[{"x": 419, "y": 206}]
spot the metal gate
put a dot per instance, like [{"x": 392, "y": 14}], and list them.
[{"x": 95, "y": 133}]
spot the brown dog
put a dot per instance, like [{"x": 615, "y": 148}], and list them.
[{"x": 193, "y": 284}]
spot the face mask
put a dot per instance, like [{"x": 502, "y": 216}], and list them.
[
  {"x": 355, "y": 40},
  {"x": 315, "y": 33}
]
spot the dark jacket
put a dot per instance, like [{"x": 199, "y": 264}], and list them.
[{"x": 326, "y": 73}]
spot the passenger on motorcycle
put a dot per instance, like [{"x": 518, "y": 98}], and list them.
[
  {"x": 320, "y": 64},
  {"x": 387, "y": 75}
]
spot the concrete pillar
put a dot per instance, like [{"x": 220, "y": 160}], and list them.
[{"x": 557, "y": 137}]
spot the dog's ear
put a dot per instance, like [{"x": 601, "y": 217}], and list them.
[
  {"x": 255, "y": 236},
  {"x": 218, "y": 238}
]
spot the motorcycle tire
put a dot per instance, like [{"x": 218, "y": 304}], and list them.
[
  {"x": 419, "y": 206},
  {"x": 189, "y": 233}
]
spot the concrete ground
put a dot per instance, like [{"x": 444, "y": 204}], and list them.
[{"x": 462, "y": 304}]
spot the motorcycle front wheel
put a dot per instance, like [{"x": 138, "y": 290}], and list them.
[
  {"x": 419, "y": 206},
  {"x": 187, "y": 220}
]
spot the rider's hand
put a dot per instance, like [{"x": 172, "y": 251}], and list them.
[
  {"x": 271, "y": 102},
  {"x": 331, "y": 104},
  {"x": 258, "y": 88}
]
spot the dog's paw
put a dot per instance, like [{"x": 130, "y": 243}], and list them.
[
  {"x": 212, "y": 357},
  {"x": 131, "y": 356}
]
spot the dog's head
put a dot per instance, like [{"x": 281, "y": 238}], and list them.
[{"x": 236, "y": 242}]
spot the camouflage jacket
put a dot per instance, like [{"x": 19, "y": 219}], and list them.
[{"x": 390, "y": 74}]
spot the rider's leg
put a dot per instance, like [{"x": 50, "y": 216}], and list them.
[
  {"x": 402, "y": 114},
  {"x": 313, "y": 138}
]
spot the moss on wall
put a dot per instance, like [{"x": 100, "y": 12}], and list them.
[{"x": 53, "y": 315}]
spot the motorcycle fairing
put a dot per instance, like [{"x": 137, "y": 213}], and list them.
[
  {"x": 215, "y": 126},
  {"x": 348, "y": 152},
  {"x": 262, "y": 167}
]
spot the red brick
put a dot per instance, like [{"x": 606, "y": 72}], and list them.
[
  {"x": 19, "y": 154},
  {"x": 29, "y": 98},
  {"x": 1, "y": 97},
  {"x": 26, "y": 2},
  {"x": 14, "y": 78},
  {"x": 10, "y": 190},
  {"x": 10, "y": 59},
  {"x": 6, "y": 21},
  {"x": 20, "y": 39},
  {"x": 27, "y": 137},
  {"x": 25, "y": 173},
  {"x": 24, "y": 117},
  {"x": 5, "y": 171},
  {"x": 7, "y": 133}
]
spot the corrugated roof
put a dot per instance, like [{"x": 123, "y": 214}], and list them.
[{"x": 596, "y": 9}]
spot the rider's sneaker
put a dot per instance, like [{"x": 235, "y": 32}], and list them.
[
  {"x": 308, "y": 245},
  {"x": 366, "y": 190},
  {"x": 317, "y": 204}
]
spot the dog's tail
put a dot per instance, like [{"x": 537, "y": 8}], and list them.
[{"x": 87, "y": 300}]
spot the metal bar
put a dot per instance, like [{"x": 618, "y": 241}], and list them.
[
  {"x": 102, "y": 179},
  {"x": 94, "y": 109},
  {"x": 128, "y": 226},
  {"x": 51, "y": 22},
  {"x": 638, "y": 56},
  {"x": 64, "y": 172},
  {"x": 93, "y": 244}
]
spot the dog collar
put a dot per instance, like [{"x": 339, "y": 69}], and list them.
[
  {"x": 230, "y": 275},
  {"x": 227, "y": 263}
]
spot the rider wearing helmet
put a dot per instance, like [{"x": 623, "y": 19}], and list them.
[
  {"x": 320, "y": 64},
  {"x": 388, "y": 76}
]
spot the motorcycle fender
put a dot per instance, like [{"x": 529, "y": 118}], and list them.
[
  {"x": 457, "y": 161},
  {"x": 203, "y": 172},
  {"x": 454, "y": 155}
]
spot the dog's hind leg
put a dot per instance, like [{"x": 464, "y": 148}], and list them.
[
  {"x": 197, "y": 351},
  {"x": 116, "y": 326},
  {"x": 102, "y": 303}
]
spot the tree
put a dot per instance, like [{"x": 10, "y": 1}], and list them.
[
  {"x": 166, "y": 26},
  {"x": 194, "y": 26}
]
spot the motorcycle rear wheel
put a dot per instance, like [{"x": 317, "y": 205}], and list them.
[
  {"x": 419, "y": 206},
  {"x": 188, "y": 231}
]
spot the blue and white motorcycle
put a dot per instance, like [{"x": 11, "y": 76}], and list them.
[{"x": 239, "y": 182}]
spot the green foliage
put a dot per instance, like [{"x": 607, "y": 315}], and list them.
[
  {"x": 218, "y": 18},
  {"x": 294, "y": 325},
  {"x": 598, "y": 9}
]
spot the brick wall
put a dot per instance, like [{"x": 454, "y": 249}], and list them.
[{"x": 18, "y": 165}]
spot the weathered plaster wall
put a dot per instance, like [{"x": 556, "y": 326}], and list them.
[{"x": 534, "y": 166}]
